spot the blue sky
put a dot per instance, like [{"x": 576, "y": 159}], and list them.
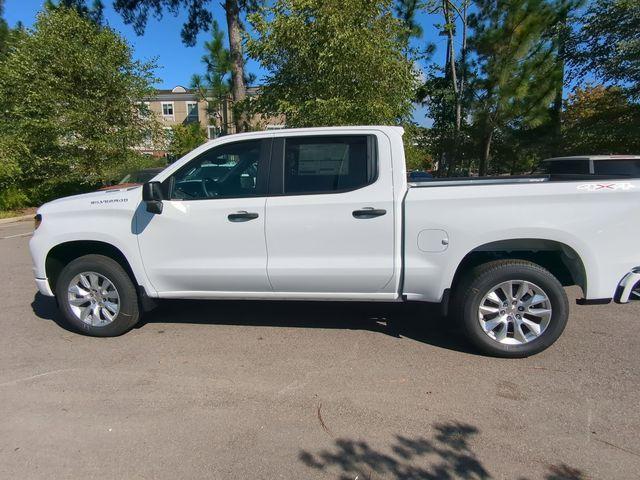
[{"x": 162, "y": 42}]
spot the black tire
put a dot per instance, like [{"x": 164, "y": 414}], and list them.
[
  {"x": 479, "y": 282},
  {"x": 129, "y": 312}
]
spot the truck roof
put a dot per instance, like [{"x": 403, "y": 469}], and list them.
[
  {"x": 594, "y": 157},
  {"x": 313, "y": 130}
]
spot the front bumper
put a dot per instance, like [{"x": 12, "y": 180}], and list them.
[
  {"x": 626, "y": 287},
  {"x": 43, "y": 287}
]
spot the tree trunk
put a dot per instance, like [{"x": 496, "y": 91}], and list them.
[
  {"x": 461, "y": 87},
  {"x": 238, "y": 88},
  {"x": 458, "y": 83},
  {"x": 463, "y": 61},
  {"x": 556, "y": 109},
  {"x": 486, "y": 153},
  {"x": 450, "y": 76},
  {"x": 224, "y": 101}
]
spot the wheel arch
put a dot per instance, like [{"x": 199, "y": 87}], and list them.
[
  {"x": 63, "y": 253},
  {"x": 559, "y": 258}
]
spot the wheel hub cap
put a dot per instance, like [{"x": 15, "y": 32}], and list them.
[
  {"x": 93, "y": 299},
  {"x": 515, "y": 312}
]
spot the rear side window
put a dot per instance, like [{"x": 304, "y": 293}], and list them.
[
  {"x": 558, "y": 167},
  {"x": 329, "y": 163},
  {"x": 623, "y": 168}
]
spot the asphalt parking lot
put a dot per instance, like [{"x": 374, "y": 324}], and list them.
[{"x": 304, "y": 390}]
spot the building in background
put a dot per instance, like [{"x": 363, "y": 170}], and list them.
[{"x": 183, "y": 106}]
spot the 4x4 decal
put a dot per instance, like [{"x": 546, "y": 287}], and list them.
[{"x": 592, "y": 187}]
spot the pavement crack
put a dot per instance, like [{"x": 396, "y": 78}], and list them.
[
  {"x": 322, "y": 424},
  {"x": 631, "y": 452},
  {"x": 33, "y": 377}
]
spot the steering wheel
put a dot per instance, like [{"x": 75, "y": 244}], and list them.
[{"x": 211, "y": 190}]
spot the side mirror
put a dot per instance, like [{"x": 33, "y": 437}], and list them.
[{"x": 152, "y": 196}]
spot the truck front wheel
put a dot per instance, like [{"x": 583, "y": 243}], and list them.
[
  {"x": 97, "y": 297},
  {"x": 511, "y": 308}
]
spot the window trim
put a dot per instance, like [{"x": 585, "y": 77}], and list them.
[
  {"x": 276, "y": 174},
  {"x": 262, "y": 175},
  {"x": 172, "y": 116}
]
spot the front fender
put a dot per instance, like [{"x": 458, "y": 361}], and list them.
[{"x": 111, "y": 226}]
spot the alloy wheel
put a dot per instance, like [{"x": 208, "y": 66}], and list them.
[
  {"x": 515, "y": 312},
  {"x": 93, "y": 299}
]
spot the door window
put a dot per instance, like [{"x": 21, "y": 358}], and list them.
[
  {"x": 228, "y": 171},
  {"x": 328, "y": 164}
]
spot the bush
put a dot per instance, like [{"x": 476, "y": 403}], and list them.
[
  {"x": 67, "y": 88},
  {"x": 13, "y": 198}
]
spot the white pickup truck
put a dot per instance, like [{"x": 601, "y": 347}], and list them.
[{"x": 327, "y": 214}]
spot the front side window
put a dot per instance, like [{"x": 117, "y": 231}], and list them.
[
  {"x": 223, "y": 172},
  {"x": 327, "y": 164}
]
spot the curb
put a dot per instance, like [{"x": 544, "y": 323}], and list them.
[{"x": 23, "y": 218}]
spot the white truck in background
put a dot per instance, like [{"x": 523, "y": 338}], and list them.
[{"x": 327, "y": 214}]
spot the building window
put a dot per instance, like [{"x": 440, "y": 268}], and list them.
[
  {"x": 192, "y": 111},
  {"x": 167, "y": 109},
  {"x": 213, "y": 132}
]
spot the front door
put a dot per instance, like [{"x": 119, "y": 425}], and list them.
[
  {"x": 330, "y": 227},
  {"x": 210, "y": 234}
]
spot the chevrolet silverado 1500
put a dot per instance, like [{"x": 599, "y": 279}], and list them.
[{"x": 327, "y": 214}]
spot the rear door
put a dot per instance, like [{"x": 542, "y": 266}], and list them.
[{"x": 330, "y": 216}]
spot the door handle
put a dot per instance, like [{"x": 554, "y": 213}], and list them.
[
  {"x": 369, "y": 212},
  {"x": 242, "y": 216}
]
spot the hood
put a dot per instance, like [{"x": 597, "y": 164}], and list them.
[{"x": 126, "y": 198}]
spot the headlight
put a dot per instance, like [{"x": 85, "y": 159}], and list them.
[{"x": 37, "y": 220}]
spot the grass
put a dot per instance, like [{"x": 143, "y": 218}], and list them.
[{"x": 17, "y": 213}]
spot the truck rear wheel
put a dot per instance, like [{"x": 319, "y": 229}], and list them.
[
  {"x": 97, "y": 297},
  {"x": 511, "y": 308}
]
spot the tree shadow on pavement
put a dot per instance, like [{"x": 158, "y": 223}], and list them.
[
  {"x": 421, "y": 322},
  {"x": 446, "y": 455}
]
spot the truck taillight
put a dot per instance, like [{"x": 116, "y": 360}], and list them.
[{"x": 37, "y": 220}]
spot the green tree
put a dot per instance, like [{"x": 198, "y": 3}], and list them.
[
  {"x": 184, "y": 138},
  {"x": 446, "y": 91},
  {"x": 214, "y": 86},
  {"x": 601, "y": 120},
  {"x": 606, "y": 43},
  {"x": 416, "y": 147},
  {"x": 407, "y": 11},
  {"x": 517, "y": 71},
  {"x": 332, "y": 62},
  {"x": 4, "y": 31},
  {"x": 560, "y": 33},
  {"x": 67, "y": 91}
]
